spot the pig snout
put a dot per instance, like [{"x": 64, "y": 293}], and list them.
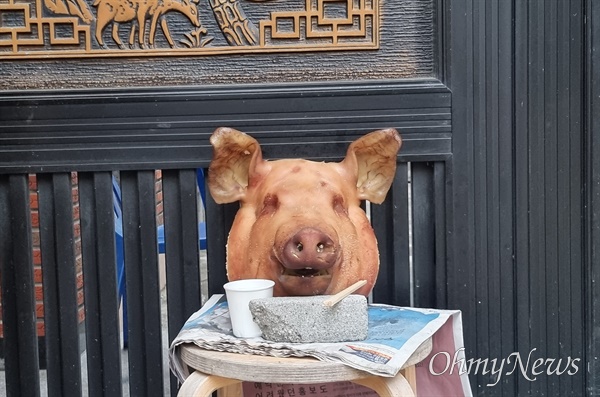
[{"x": 309, "y": 248}]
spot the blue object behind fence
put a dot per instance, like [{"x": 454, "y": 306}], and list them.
[{"x": 117, "y": 205}]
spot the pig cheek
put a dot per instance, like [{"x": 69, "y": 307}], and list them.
[
  {"x": 260, "y": 249},
  {"x": 368, "y": 253},
  {"x": 361, "y": 257},
  {"x": 239, "y": 264},
  {"x": 250, "y": 247}
]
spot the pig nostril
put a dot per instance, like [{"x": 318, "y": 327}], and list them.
[
  {"x": 320, "y": 247},
  {"x": 299, "y": 247}
]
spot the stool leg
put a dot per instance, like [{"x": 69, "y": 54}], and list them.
[
  {"x": 231, "y": 391},
  {"x": 410, "y": 373},
  {"x": 397, "y": 386},
  {"x": 202, "y": 385}
]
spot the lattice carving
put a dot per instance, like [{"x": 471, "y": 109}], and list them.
[
  {"x": 359, "y": 21},
  {"x": 28, "y": 29}
]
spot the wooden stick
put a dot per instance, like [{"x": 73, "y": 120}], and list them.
[{"x": 342, "y": 294}]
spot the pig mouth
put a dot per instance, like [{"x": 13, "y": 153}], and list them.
[
  {"x": 308, "y": 280},
  {"x": 304, "y": 282},
  {"x": 306, "y": 272}
]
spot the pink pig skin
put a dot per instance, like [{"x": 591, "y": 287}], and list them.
[{"x": 300, "y": 223}]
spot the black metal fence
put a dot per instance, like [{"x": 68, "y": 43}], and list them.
[{"x": 136, "y": 144}]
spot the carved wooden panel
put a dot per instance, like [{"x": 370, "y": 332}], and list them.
[
  {"x": 74, "y": 28},
  {"x": 122, "y": 43}
]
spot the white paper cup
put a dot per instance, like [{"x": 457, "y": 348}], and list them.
[{"x": 239, "y": 294}]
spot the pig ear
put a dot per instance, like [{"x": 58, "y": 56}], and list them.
[
  {"x": 372, "y": 158},
  {"x": 236, "y": 158}
]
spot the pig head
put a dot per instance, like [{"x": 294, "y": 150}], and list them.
[{"x": 300, "y": 223}]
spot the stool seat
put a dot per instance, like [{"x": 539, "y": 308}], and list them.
[{"x": 214, "y": 370}]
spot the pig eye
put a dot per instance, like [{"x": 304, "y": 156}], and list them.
[
  {"x": 338, "y": 205},
  {"x": 270, "y": 204}
]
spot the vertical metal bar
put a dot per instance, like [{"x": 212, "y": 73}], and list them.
[
  {"x": 481, "y": 230},
  {"x": 382, "y": 222},
  {"x": 219, "y": 219},
  {"x": 423, "y": 234},
  {"x": 60, "y": 285},
  {"x": 441, "y": 230},
  {"x": 506, "y": 188},
  {"x": 490, "y": 194},
  {"x": 143, "y": 295},
  {"x": 568, "y": 223},
  {"x": 550, "y": 228},
  {"x": 18, "y": 299},
  {"x": 448, "y": 276},
  {"x": 537, "y": 204},
  {"x": 391, "y": 225},
  {"x": 181, "y": 250},
  {"x": 100, "y": 287},
  {"x": 575, "y": 181},
  {"x": 521, "y": 175},
  {"x": 59, "y": 282},
  {"x": 403, "y": 279}
]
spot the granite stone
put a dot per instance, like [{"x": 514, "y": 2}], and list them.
[{"x": 304, "y": 319}]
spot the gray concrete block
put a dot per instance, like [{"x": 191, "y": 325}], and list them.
[{"x": 304, "y": 319}]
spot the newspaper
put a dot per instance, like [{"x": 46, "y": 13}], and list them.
[{"x": 394, "y": 335}]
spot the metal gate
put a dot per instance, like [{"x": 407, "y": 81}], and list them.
[{"x": 494, "y": 209}]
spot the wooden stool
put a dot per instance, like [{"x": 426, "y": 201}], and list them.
[{"x": 225, "y": 371}]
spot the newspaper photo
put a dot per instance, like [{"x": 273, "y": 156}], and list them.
[{"x": 394, "y": 334}]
